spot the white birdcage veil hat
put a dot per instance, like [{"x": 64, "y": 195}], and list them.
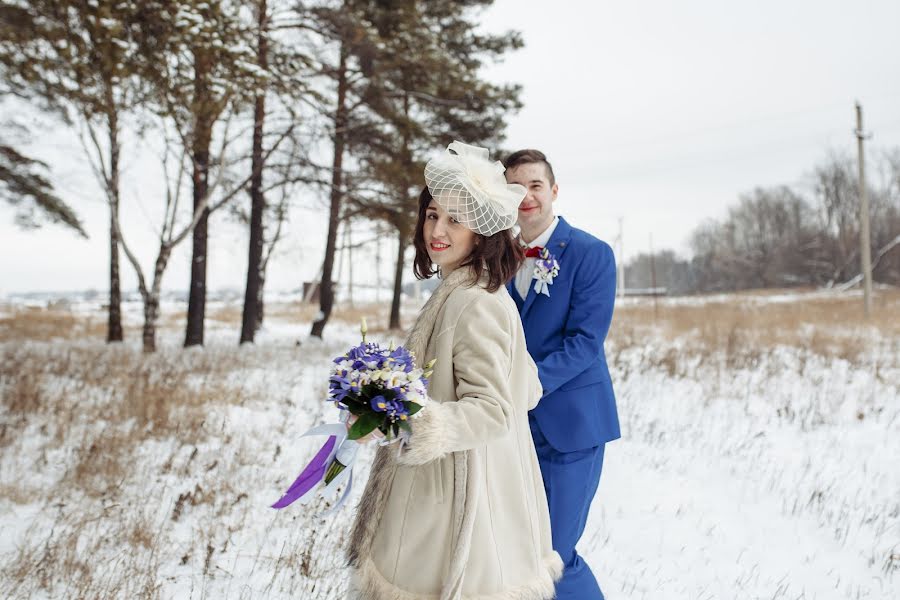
[{"x": 465, "y": 183}]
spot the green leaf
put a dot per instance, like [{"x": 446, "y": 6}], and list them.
[
  {"x": 413, "y": 408},
  {"x": 364, "y": 425},
  {"x": 370, "y": 390},
  {"x": 354, "y": 399},
  {"x": 404, "y": 425},
  {"x": 357, "y": 409}
]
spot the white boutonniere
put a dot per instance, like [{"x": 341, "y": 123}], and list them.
[{"x": 546, "y": 268}]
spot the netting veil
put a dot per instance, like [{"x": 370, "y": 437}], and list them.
[{"x": 473, "y": 189}]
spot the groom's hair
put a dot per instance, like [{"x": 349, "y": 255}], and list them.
[
  {"x": 527, "y": 157},
  {"x": 498, "y": 256}
]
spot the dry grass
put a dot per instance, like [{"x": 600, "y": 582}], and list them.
[
  {"x": 59, "y": 322},
  {"x": 100, "y": 463},
  {"x": 89, "y": 409},
  {"x": 157, "y": 395},
  {"x": 72, "y": 547},
  {"x": 828, "y": 325},
  {"x": 376, "y": 314},
  {"x": 92, "y": 407},
  {"x": 294, "y": 312},
  {"x": 47, "y": 324},
  {"x": 736, "y": 329},
  {"x": 93, "y": 412}
]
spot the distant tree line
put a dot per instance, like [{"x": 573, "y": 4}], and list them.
[
  {"x": 256, "y": 103},
  {"x": 784, "y": 236}
]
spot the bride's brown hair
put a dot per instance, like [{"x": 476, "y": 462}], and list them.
[{"x": 498, "y": 256}]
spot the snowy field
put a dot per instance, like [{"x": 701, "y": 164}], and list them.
[{"x": 760, "y": 456}]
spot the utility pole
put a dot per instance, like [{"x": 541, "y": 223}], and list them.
[
  {"x": 864, "y": 243},
  {"x": 653, "y": 281},
  {"x": 620, "y": 268}
]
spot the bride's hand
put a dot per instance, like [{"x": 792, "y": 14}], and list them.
[{"x": 375, "y": 435}]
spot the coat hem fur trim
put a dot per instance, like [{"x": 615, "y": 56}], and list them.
[{"x": 367, "y": 583}]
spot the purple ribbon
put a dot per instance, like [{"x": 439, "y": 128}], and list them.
[{"x": 310, "y": 476}]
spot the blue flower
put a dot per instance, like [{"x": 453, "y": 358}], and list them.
[
  {"x": 379, "y": 404},
  {"x": 340, "y": 386},
  {"x": 400, "y": 358},
  {"x": 339, "y": 395},
  {"x": 548, "y": 264},
  {"x": 396, "y": 408},
  {"x": 358, "y": 353}
]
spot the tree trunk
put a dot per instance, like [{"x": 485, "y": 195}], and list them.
[
  {"x": 253, "y": 291},
  {"x": 398, "y": 280},
  {"x": 260, "y": 305},
  {"x": 151, "y": 313},
  {"x": 114, "y": 323},
  {"x": 406, "y": 159},
  {"x": 151, "y": 298},
  {"x": 202, "y": 138},
  {"x": 197, "y": 298},
  {"x": 326, "y": 289}
]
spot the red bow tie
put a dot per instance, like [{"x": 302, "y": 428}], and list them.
[{"x": 533, "y": 252}]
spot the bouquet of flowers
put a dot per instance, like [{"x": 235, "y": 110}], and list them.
[{"x": 382, "y": 389}]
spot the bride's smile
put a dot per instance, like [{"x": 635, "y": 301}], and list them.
[{"x": 449, "y": 243}]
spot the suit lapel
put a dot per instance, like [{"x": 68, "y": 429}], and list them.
[
  {"x": 529, "y": 297},
  {"x": 514, "y": 294},
  {"x": 557, "y": 245}
]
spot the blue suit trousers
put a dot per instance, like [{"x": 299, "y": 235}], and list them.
[{"x": 570, "y": 481}]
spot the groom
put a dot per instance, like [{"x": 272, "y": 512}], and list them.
[{"x": 565, "y": 325}]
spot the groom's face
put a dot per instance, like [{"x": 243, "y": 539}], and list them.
[{"x": 536, "y": 209}]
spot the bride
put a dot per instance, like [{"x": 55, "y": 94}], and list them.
[{"x": 460, "y": 512}]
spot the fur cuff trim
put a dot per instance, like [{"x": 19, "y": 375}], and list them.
[
  {"x": 554, "y": 565},
  {"x": 367, "y": 583},
  {"x": 429, "y": 438}
]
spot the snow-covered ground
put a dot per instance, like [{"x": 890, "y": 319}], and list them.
[{"x": 128, "y": 476}]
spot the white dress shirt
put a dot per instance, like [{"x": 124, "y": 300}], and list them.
[{"x": 525, "y": 274}]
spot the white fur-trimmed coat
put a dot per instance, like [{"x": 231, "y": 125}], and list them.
[{"x": 461, "y": 513}]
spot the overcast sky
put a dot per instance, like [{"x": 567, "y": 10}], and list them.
[{"x": 658, "y": 113}]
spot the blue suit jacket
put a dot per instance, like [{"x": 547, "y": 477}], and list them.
[{"x": 565, "y": 334}]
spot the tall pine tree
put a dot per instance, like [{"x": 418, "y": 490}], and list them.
[
  {"x": 205, "y": 73},
  {"x": 406, "y": 83},
  {"x": 426, "y": 92},
  {"x": 78, "y": 57},
  {"x": 283, "y": 66}
]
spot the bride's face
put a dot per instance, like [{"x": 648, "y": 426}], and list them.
[{"x": 448, "y": 242}]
